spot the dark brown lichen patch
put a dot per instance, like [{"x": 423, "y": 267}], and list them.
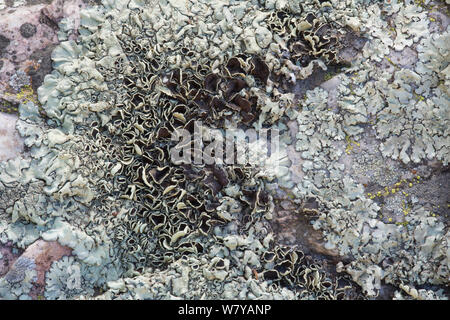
[
  {"x": 291, "y": 224},
  {"x": 27, "y": 30},
  {"x": 309, "y": 37},
  {"x": 290, "y": 267},
  {"x": 219, "y": 96},
  {"x": 4, "y": 42},
  {"x": 174, "y": 203},
  {"x": 351, "y": 46},
  {"x": 319, "y": 42}
]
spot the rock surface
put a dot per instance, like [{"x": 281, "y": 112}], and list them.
[
  {"x": 11, "y": 144},
  {"x": 39, "y": 256},
  {"x": 26, "y": 30},
  {"x": 28, "y": 34}
]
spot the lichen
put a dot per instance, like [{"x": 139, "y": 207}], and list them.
[{"x": 99, "y": 180}]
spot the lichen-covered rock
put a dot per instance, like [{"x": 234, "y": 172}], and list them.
[
  {"x": 28, "y": 33},
  {"x": 98, "y": 178},
  {"x": 36, "y": 260},
  {"x": 10, "y": 142}
]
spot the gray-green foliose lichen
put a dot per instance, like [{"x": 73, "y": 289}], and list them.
[{"x": 81, "y": 184}]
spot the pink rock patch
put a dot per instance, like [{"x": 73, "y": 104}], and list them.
[
  {"x": 40, "y": 255},
  {"x": 11, "y": 144},
  {"x": 26, "y": 30}
]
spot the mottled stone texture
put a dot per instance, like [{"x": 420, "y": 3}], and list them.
[
  {"x": 39, "y": 257},
  {"x": 10, "y": 142},
  {"x": 25, "y": 34}
]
